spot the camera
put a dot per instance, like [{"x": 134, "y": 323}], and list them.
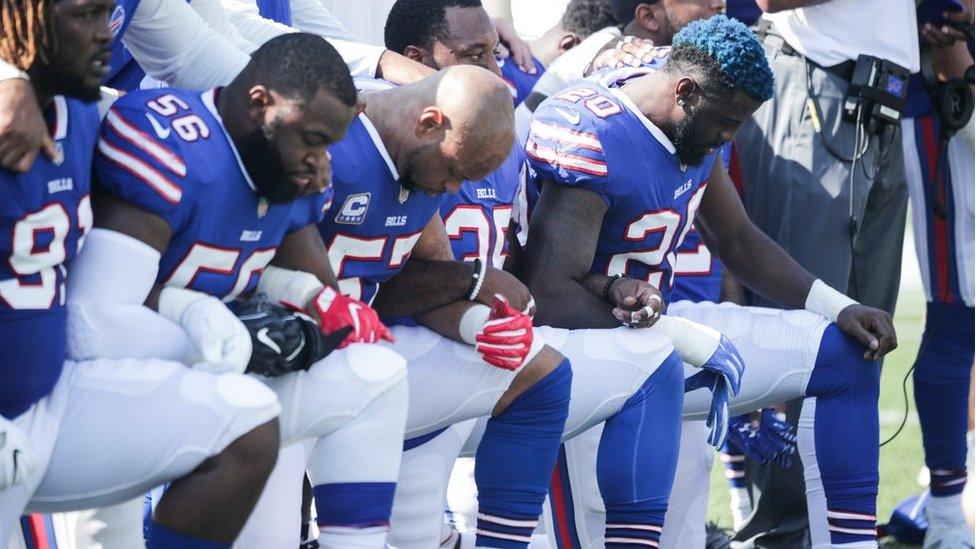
[{"x": 877, "y": 91}]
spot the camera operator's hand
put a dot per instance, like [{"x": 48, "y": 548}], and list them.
[
  {"x": 872, "y": 327},
  {"x": 950, "y": 31}
]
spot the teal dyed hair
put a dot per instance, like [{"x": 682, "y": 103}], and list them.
[{"x": 728, "y": 46}]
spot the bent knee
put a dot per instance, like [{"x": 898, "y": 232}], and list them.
[
  {"x": 375, "y": 365},
  {"x": 543, "y": 364},
  {"x": 840, "y": 367},
  {"x": 256, "y": 451}
]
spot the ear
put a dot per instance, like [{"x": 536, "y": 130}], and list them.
[
  {"x": 687, "y": 93},
  {"x": 646, "y": 16},
  {"x": 568, "y": 41},
  {"x": 360, "y": 104},
  {"x": 259, "y": 100},
  {"x": 431, "y": 121},
  {"x": 416, "y": 54}
]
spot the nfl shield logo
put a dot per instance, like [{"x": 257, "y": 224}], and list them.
[
  {"x": 262, "y": 208},
  {"x": 404, "y": 195}
]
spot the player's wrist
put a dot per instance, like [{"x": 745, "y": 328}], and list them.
[
  {"x": 477, "y": 280},
  {"x": 472, "y": 322},
  {"x": 608, "y": 287},
  {"x": 293, "y": 289},
  {"x": 175, "y": 302},
  {"x": 826, "y": 301},
  {"x": 694, "y": 343}
]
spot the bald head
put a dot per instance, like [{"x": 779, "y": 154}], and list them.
[{"x": 455, "y": 125}]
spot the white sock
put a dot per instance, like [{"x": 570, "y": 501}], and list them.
[{"x": 332, "y": 537}]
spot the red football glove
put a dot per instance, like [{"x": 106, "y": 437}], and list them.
[
  {"x": 506, "y": 338},
  {"x": 336, "y": 311}
]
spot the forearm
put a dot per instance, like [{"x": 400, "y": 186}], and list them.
[
  {"x": 107, "y": 315},
  {"x": 563, "y": 302},
  {"x": 424, "y": 285},
  {"x": 762, "y": 266},
  {"x": 447, "y": 320}
]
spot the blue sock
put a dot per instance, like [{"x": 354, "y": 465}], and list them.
[
  {"x": 638, "y": 456},
  {"x": 942, "y": 393},
  {"x": 846, "y": 435},
  {"x": 161, "y": 537},
  {"x": 354, "y": 504},
  {"x": 515, "y": 459},
  {"x": 735, "y": 465}
]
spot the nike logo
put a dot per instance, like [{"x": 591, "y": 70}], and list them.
[
  {"x": 262, "y": 336},
  {"x": 162, "y": 132},
  {"x": 573, "y": 118}
]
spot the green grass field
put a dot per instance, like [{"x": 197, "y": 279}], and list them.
[{"x": 901, "y": 458}]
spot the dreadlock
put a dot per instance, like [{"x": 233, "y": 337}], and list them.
[{"x": 26, "y": 32}]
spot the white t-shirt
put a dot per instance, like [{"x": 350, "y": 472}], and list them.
[
  {"x": 532, "y": 18},
  {"x": 569, "y": 67},
  {"x": 365, "y": 19},
  {"x": 839, "y": 30}
]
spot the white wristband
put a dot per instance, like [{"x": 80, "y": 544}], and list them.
[
  {"x": 8, "y": 71},
  {"x": 472, "y": 321},
  {"x": 693, "y": 342},
  {"x": 173, "y": 302},
  {"x": 295, "y": 288},
  {"x": 826, "y": 301}
]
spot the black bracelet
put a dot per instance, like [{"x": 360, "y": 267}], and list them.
[
  {"x": 606, "y": 287},
  {"x": 477, "y": 279}
]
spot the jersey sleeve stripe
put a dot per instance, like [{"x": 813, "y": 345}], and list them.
[
  {"x": 550, "y": 132},
  {"x": 568, "y": 161},
  {"x": 144, "y": 172},
  {"x": 142, "y": 141}
]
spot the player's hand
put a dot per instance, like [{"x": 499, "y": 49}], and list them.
[
  {"x": 499, "y": 282},
  {"x": 506, "y": 338},
  {"x": 629, "y": 52},
  {"x": 335, "y": 311},
  {"x": 518, "y": 49},
  {"x": 17, "y": 458},
  {"x": 872, "y": 327},
  {"x": 764, "y": 436},
  {"x": 222, "y": 339},
  {"x": 722, "y": 375},
  {"x": 638, "y": 304},
  {"x": 23, "y": 132},
  {"x": 950, "y": 31}
]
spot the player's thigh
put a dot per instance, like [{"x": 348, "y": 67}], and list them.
[
  {"x": 609, "y": 366},
  {"x": 316, "y": 402},
  {"x": 129, "y": 425},
  {"x": 779, "y": 349},
  {"x": 449, "y": 381}
]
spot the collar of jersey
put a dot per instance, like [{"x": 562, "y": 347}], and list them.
[
  {"x": 58, "y": 124},
  {"x": 208, "y": 101},
  {"x": 378, "y": 143},
  {"x": 651, "y": 127}
]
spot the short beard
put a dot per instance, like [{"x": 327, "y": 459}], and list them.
[
  {"x": 684, "y": 143},
  {"x": 75, "y": 87},
  {"x": 264, "y": 164}
]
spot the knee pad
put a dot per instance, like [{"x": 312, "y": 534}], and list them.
[
  {"x": 840, "y": 368},
  {"x": 247, "y": 403}
]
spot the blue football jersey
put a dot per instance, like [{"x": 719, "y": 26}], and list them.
[
  {"x": 167, "y": 152},
  {"x": 124, "y": 73},
  {"x": 697, "y": 273},
  {"x": 594, "y": 137},
  {"x": 520, "y": 82},
  {"x": 477, "y": 217},
  {"x": 44, "y": 216},
  {"x": 374, "y": 222}
]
